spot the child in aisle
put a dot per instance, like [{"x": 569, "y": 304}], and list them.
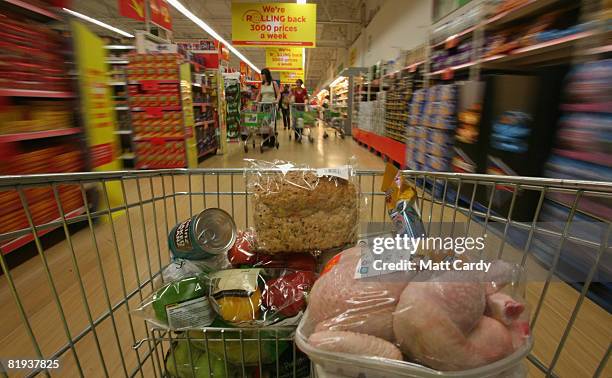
[{"x": 284, "y": 105}]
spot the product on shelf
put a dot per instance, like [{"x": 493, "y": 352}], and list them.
[
  {"x": 35, "y": 116},
  {"x": 32, "y": 56},
  {"x": 61, "y": 158},
  {"x": 153, "y": 67},
  {"x": 233, "y": 105}
]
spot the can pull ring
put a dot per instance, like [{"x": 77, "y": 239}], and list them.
[{"x": 139, "y": 343}]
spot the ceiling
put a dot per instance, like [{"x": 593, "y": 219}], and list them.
[{"x": 338, "y": 25}]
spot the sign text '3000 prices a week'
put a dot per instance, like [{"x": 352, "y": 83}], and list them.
[{"x": 274, "y": 24}]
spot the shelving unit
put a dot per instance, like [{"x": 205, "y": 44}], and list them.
[
  {"x": 39, "y": 132},
  {"x": 119, "y": 85}
]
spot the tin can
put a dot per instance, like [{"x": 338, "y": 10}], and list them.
[{"x": 208, "y": 234}]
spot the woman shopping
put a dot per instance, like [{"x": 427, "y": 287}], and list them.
[
  {"x": 268, "y": 97},
  {"x": 300, "y": 99}
]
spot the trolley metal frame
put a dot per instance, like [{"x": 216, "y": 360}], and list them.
[
  {"x": 266, "y": 118},
  {"x": 122, "y": 247},
  {"x": 334, "y": 123},
  {"x": 296, "y": 110}
]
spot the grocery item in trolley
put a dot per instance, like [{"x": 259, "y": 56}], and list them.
[
  {"x": 303, "y": 210},
  {"x": 210, "y": 233},
  {"x": 244, "y": 254},
  {"x": 179, "y": 304},
  {"x": 447, "y": 321},
  {"x": 256, "y": 297}
]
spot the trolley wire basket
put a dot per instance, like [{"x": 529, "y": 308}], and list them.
[{"x": 93, "y": 257}]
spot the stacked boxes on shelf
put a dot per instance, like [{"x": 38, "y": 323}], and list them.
[
  {"x": 397, "y": 100},
  {"x": 157, "y": 114},
  {"x": 206, "y": 117},
  {"x": 65, "y": 157},
  {"x": 32, "y": 56},
  {"x": 233, "y": 102},
  {"x": 432, "y": 114}
]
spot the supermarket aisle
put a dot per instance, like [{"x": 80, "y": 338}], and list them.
[{"x": 329, "y": 152}]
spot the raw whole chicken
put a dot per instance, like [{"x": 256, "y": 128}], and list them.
[
  {"x": 354, "y": 343},
  {"x": 450, "y": 323},
  {"x": 339, "y": 302}
]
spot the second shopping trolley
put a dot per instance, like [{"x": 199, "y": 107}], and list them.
[
  {"x": 303, "y": 119},
  {"x": 260, "y": 122}
]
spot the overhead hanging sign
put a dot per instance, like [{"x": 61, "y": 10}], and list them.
[
  {"x": 134, "y": 9},
  {"x": 284, "y": 58},
  {"x": 274, "y": 24},
  {"x": 290, "y": 77},
  {"x": 160, "y": 13}
]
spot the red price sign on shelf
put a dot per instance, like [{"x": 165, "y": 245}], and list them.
[
  {"x": 150, "y": 85},
  {"x": 154, "y": 112}
]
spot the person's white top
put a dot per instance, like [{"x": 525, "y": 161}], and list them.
[{"x": 267, "y": 93}]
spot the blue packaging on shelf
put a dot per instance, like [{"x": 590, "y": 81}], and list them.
[
  {"x": 447, "y": 92},
  {"x": 419, "y": 156},
  {"x": 438, "y": 164},
  {"x": 421, "y": 132},
  {"x": 443, "y": 123},
  {"x": 439, "y": 136},
  {"x": 440, "y": 150}
]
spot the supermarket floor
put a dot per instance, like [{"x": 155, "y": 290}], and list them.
[
  {"x": 83, "y": 287},
  {"x": 329, "y": 152}
]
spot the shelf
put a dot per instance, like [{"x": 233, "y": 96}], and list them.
[
  {"x": 119, "y": 47},
  {"x": 155, "y": 108},
  {"x": 110, "y": 61},
  {"x": 603, "y": 107},
  {"x": 129, "y": 156},
  {"x": 24, "y": 5},
  {"x": 207, "y": 152},
  {"x": 517, "y": 12},
  {"x": 162, "y": 138},
  {"x": 25, "y": 239},
  {"x": 117, "y": 83},
  {"x": 122, "y": 108},
  {"x": 147, "y": 81},
  {"x": 7, "y": 138},
  {"x": 203, "y": 123},
  {"x": 34, "y": 93},
  {"x": 123, "y": 132}
]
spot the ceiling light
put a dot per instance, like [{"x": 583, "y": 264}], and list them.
[
  {"x": 301, "y": 1},
  {"x": 99, "y": 23},
  {"x": 181, "y": 8}
]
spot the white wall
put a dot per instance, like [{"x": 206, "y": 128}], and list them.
[{"x": 399, "y": 24}]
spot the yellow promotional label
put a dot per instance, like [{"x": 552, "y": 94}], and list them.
[
  {"x": 97, "y": 107},
  {"x": 274, "y": 24},
  {"x": 284, "y": 58},
  {"x": 289, "y": 77}
]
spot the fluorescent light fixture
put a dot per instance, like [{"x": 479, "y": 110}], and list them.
[
  {"x": 99, "y": 23},
  {"x": 181, "y": 8},
  {"x": 301, "y": 1}
]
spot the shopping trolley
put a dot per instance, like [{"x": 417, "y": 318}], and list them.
[
  {"x": 71, "y": 302},
  {"x": 303, "y": 119},
  {"x": 266, "y": 125},
  {"x": 333, "y": 120},
  {"x": 249, "y": 126}
]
